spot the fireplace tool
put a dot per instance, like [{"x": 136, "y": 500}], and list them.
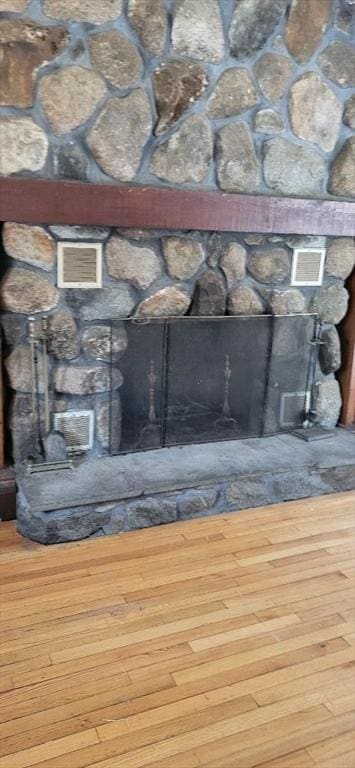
[
  {"x": 309, "y": 430},
  {"x": 49, "y": 449}
]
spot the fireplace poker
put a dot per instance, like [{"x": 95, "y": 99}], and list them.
[{"x": 45, "y": 374}]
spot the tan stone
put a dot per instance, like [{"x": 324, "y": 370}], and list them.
[
  {"x": 93, "y": 11},
  {"x": 33, "y": 245},
  {"x": 183, "y": 256},
  {"x": 234, "y": 93},
  {"x": 120, "y": 134},
  {"x": 327, "y": 403},
  {"x": 186, "y": 156},
  {"x": 24, "y": 48},
  {"x": 148, "y": 18},
  {"x": 171, "y": 301},
  {"x": 330, "y": 302},
  {"x": 18, "y": 368},
  {"x": 177, "y": 85},
  {"x": 139, "y": 265},
  {"x": 23, "y": 145},
  {"x": 340, "y": 259},
  {"x": 14, "y": 6},
  {"x": 237, "y": 164},
  {"x": 26, "y": 292},
  {"x": 243, "y": 300},
  {"x": 342, "y": 173},
  {"x": 69, "y": 97},
  {"x": 273, "y": 72},
  {"x": 198, "y": 30},
  {"x": 291, "y": 169},
  {"x": 289, "y": 302},
  {"x": 116, "y": 58},
  {"x": 233, "y": 263},
  {"x": 86, "y": 379},
  {"x": 337, "y": 63},
  {"x": 101, "y": 342},
  {"x": 305, "y": 28},
  {"x": 64, "y": 340},
  {"x": 270, "y": 266},
  {"x": 268, "y": 121},
  {"x": 311, "y": 102}
]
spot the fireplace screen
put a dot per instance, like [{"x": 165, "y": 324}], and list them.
[{"x": 191, "y": 380}]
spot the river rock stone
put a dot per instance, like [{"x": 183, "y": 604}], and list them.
[
  {"x": 120, "y": 133},
  {"x": 291, "y": 302},
  {"x": 26, "y": 292},
  {"x": 349, "y": 113},
  {"x": 290, "y": 169},
  {"x": 149, "y": 511},
  {"x": 311, "y": 102},
  {"x": 77, "y": 232},
  {"x": 63, "y": 337},
  {"x": 196, "y": 503},
  {"x": 214, "y": 249},
  {"x": 116, "y": 302},
  {"x": 252, "y": 23},
  {"x": 331, "y": 303},
  {"x": 69, "y": 96},
  {"x": 305, "y": 27},
  {"x": 24, "y": 48},
  {"x": 18, "y": 369},
  {"x": 234, "y": 93},
  {"x": 116, "y": 58},
  {"x": 270, "y": 266},
  {"x": 69, "y": 162},
  {"x": 171, "y": 301},
  {"x": 139, "y": 265},
  {"x": 177, "y": 85},
  {"x": 198, "y": 30},
  {"x": 342, "y": 172},
  {"x": 85, "y": 379},
  {"x": 337, "y": 63},
  {"x": 210, "y": 295},
  {"x": 33, "y": 245},
  {"x": 237, "y": 164},
  {"x": 102, "y": 343},
  {"x": 232, "y": 263},
  {"x": 330, "y": 351},
  {"x": 268, "y": 121},
  {"x": 340, "y": 259},
  {"x": 243, "y": 300},
  {"x": 186, "y": 156},
  {"x": 24, "y": 145},
  {"x": 183, "y": 256},
  {"x": 148, "y": 18},
  {"x": 83, "y": 10},
  {"x": 109, "y": 422},
  {"x": 273, "y": 72},
  {"x": 15, "y": 6},
  {"x": 327, "y": 403}
]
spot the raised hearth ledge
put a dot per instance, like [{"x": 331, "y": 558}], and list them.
[{"x": 109, "y": 495}]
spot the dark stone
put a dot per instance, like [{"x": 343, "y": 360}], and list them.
[
  {"x": 177, "y": 85},
  {"x": 55, "y": 447},
  {"x": 342, "y": 172},
  {"x": 102, "y": 305},
  {"x": 253, "y": 22},
  {"x": 60, "y": 526},
  {"x": 337, "y": 63},
  {"x": 14, "y": 328},
  {"x": 349, "y": 114},
  {"x": 143, "y": 513},
  {"x": 210, "y": 295},
  {"x": 196, "y": 503},
  {"x": 70, "y": 162}
]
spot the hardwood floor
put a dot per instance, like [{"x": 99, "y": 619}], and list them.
[{"x": 223, "y": 642}]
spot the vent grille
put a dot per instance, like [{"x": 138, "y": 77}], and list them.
[
  {"x": 79, "y": 265},
  {"x": 308, "y": 266},
  {"x": 77, "y": 428},
  {"x": 293, "y": 407}
]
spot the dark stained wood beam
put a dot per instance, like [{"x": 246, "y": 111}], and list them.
[{"x": 40, "y": 201}]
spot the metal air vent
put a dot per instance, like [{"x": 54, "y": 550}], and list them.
[
  {"x": 77, "y": 428},
  {"x": 293, "y": 407},
  {"x": 79, "y": 265},
  {"x": 307, "y": 266}
]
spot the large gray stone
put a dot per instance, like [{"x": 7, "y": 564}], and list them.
[
  {"x": 349, "y": 113},
  {"x": 305, "y": 27},
  {"x": 273, "y": 72},
  {"x": 32, "y": 245},
  {"x": 100, "y": 342},
  {"x": 270, "y": 266},
  {"x": 171, "y": 301},
  {"x": 198, "y": 30},
  {"x": 85, "y": 379},
  {"x": 290, "y": 302},
  {"x": 83, "y": 10},
  {"x": 233, "y": 263},
  {"x": 69, "y": 161},
  {"x": 116, "y": 58},
  {"x": 331, "y": 303},
  {"x": 237, "y": 164},
  {"x": 291, "y": 169},
  {"x": 234, "y": 93},
  {"x": 104, "y": 304},
  {"x": 311, "y": 102},
  {"x": 120, "y": 133},
  {"x": 210, "y": 295},
  {"x": 139, "y": 265},
  {"x": 24, "y": 145},
  {"x": 327, "y": 403},
  {"x": 186, "y": 156},
  {"x": 340, "y": 259},
  {"x": 243, "y": 300},
  {"x": 342, "y": 172},
  {"x": 330, "y": 351},
  {"x": 19, "y": 370},
  {"x": 196, "y": 503},
  {"x": 64, "y": 340},
  {"x": 60, "y": 526},
  {"x": 183, "y": 256},
  {"x": 109, "y": 422},
  {"x": 177, "y": 85},
  {"x": 252, "y": 23},
  {"x": 148, "y": 18},
  {"x": 27, "y": 292},
  {"x": 337, "y": 63},
  {"x": 69, "y": 97},
  {"x": 268, "y": 121}
]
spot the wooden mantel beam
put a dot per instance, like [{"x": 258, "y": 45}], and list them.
[{"x": 40, "y": 201}]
